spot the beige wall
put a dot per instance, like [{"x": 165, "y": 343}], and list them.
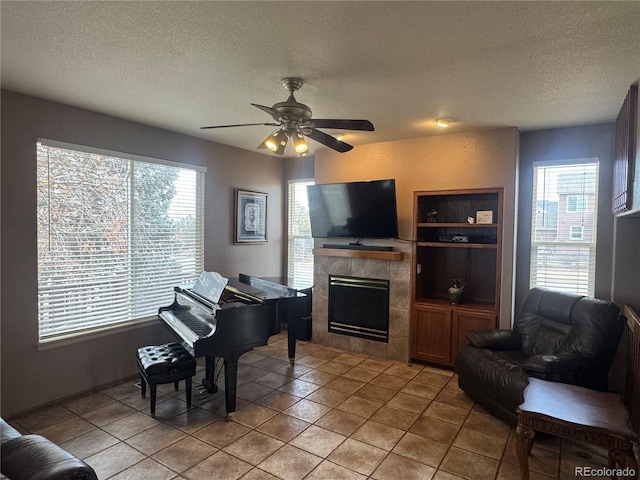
[
  {"x": 32, "y": 376},
  {"x": 454, "y": 161}
]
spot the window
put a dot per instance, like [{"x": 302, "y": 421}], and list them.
[
  {"x": 563, "y": 233},
  {"x": 116, "y": 233},
  {"x": 576, "y": 232},
  {"x": 576, "y": 203},
  {"x": 300, "y": 242}
]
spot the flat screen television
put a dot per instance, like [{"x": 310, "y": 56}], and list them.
[{"x": 353, "y": 210}]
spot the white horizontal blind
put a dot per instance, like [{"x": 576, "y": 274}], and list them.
[
  {"x": 564, "y": 227},
  {"x": 115, "y": 235},
  {"x": 300, "y": 242}
]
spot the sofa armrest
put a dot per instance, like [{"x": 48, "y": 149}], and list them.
[
  {"x": 554, "y": 364},
  {"x": 7, "y": 432},
  {"x": 495, "y": 339},
  {"x": 33, "y": 457}
]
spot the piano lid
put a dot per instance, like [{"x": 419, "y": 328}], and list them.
[{"x": 270, "y": 287}]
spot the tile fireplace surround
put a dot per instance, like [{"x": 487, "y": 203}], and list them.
[{"x": 393, "y": 266}]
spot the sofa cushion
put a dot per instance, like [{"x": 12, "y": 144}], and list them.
[
  {"x": 565, "y": 324},
  {"x": 540, "y": 335}
]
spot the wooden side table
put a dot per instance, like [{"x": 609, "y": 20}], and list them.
[{"x": 576, "y": 413}]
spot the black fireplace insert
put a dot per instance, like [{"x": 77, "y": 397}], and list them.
[{"x": 359, "y": 307}]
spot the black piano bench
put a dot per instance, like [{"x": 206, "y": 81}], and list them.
[{"x": 162, "y": 364}]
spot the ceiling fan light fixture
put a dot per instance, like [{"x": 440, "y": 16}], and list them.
[
  {"x": 299, "y": 143},
  {"x": 443, "y": 122},
  {"x": 276, "y": 141},
  {"x": 294, "y": 120}
]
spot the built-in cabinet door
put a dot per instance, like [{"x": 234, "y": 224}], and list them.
[
  {"x": 464, "y": 322},
  {"x": 431, "y": 334}
]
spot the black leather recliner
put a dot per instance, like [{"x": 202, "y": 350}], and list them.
[
  {"x": 556, "y": 336},
  {"x": 33, "y": 457}
]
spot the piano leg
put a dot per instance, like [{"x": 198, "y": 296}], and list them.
[
  {"x": 231, "y": 380},
  {"x": 209, "y": 381},
  {"x": 292, "y": 331}
]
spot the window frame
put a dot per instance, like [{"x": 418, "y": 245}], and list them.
[
  {"x": 574, "y": 249},
  {"x": 87, "y": 329},
  {"x": 302, "y": 280}
]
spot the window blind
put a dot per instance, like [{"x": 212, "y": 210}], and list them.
[
  {"x": 115, "y": 235},
  {"x": 564, "y": 227},
  {"x": 300, "y": 242}
]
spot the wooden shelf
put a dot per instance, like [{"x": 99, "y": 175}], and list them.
[
  {"x": 369, "y": 254},
  {"x": 457, "y": 245},
  {"x": 439, "y": 302},
  {"x": 456, "y": 225}
]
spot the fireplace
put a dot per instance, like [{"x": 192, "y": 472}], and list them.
[{"x": 359, "y": 307}]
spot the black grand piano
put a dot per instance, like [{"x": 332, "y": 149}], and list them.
[{"x": 250, "y": 310}]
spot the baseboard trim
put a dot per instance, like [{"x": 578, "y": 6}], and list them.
[{"x": 68, "y": 398}]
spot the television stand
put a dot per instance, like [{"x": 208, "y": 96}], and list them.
[{"x": 357, "y": 246}]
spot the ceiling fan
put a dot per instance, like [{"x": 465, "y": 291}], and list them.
[{"x": 294, "y": 122}]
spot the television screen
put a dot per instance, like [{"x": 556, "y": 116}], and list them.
[{"x": 353, "y": 210}]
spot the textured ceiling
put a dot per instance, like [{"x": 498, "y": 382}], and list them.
[{"x": 181, "y": 65}]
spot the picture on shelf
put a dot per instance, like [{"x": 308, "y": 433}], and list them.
[{"x": 484, "y": 216}]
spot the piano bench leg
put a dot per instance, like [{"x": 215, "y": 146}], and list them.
[
  {"x": 152, "y": 390},
  {"x": 187, "y": 385},
  {"x": 143, "y": 386},
  {"x": 175, "y": 386}
]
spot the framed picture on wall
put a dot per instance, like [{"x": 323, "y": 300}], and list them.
[{"x": 250, "y": 217}]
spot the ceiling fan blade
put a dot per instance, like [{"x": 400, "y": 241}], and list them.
[
  {"x": 343, "y": 124},
  {"x": 329, "y": 141},
  {"x": 271, "y": 111},
  {"x": 239, "y": 125}
]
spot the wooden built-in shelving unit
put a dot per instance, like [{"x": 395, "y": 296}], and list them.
[{"x": 448, "y": 246}]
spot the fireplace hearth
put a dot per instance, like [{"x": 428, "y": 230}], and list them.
[{"x": 359, "y": 307}]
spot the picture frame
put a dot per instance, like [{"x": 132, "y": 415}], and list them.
[
  {"x": 250, "y": 217},
  {"x": 484, "y": 216}
]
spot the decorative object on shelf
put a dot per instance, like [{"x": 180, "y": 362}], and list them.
[
  {"x": 456, "y": 292},
  {"x": 431, "y": 216},
  {"x": 250, "y": 217},
  {"x": 471, "y": 220},
  {"x": 484, "y": 216}
]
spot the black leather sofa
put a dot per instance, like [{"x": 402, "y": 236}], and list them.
[
  {"x": 556, "y": 336},
  {"x": 33, "y": 457}
]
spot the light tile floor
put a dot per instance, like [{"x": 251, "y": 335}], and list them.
[{"x": 334, "y": 415}]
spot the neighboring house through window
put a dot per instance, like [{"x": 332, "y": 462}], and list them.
[
  {"x": 116, "y": 233},
  {"x": 300, "y": 242},
  {"x": 564, "y": 226}
]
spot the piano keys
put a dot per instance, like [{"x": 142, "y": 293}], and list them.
[{"x": 250, "y": 311}]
